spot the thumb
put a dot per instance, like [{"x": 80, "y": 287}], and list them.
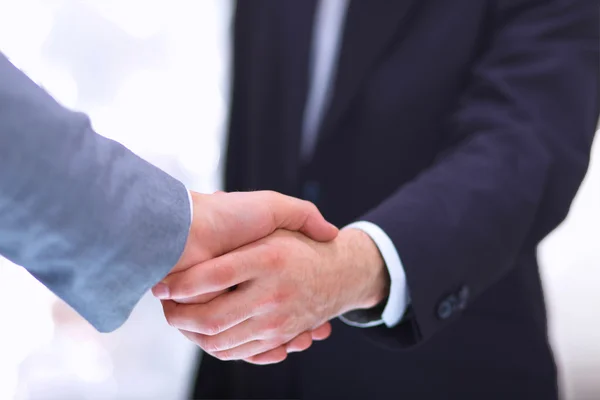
[{"x": 299, "y": 215}]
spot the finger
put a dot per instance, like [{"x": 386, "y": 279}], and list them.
[
  {"x": 215, "y": 275},
  {"x": 201, "y": 299},
  {"x": 322, "y": 332},
  {"x": 299, "y": 343},
  {"x": 251, "y": 349},
  {"x": 239, "y": 335},
  {"x": 269, "y": 357},
  {"x": 274, "y": 356},
  {"x": 237, "y": 343},
  {"x": 245, "y": 350},
  {"x": 299, "y": 215},
  {"x": 220, "y": 314},
  {"x": 226, "y": 354}
]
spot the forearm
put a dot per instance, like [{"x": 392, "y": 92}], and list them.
[{"x": 517, "y": 147}]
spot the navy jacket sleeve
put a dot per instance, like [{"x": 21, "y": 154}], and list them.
[{"x": 520, "y": 141}]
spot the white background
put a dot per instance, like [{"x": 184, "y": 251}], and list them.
[{"x": 153, "y": 75}]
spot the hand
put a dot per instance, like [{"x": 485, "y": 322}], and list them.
[
  {"x": 301, "y": 342},
  {"x": 225, "y": 221},
  {"x": 222, "y": 222},
  {"x": 286, "y": 284}
]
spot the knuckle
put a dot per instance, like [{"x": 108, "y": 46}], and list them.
[
  {"x": 224, "y": 355},
  {"x": 210, "y": 345},
  {"x": 272, "y": 301},
  {"x": 275, "y": 325},
  {"x": 233, "y": 341},
  {"x": 311, "y": 208},
  {"x": 267, "y": 304},
  {"x": 210, "y": 326},
  {"x": 272, "y": 256},
  {"x": 267, "y": 197}
]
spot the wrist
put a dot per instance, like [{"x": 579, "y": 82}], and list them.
[
  {"x": 372, "y": 283},
  {"x": 192, "y": 253}
]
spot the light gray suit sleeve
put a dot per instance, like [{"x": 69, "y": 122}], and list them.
[{"x": 85, "y": 216}]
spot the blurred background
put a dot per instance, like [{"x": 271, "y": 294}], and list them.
[{"x": 153, "y": 74}]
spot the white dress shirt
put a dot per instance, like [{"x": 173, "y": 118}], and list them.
[{"x": 328, "y": 30}]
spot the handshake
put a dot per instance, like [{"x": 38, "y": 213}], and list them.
[{"x": 263, "y": 273}]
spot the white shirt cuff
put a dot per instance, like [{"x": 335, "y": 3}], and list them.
[
  {"x": 191, "y": 206},
  {"x": 398, "y": 299}
]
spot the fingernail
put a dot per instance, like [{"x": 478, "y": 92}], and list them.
[{"x": 161, "y": 291}]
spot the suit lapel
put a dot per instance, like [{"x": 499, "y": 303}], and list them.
[{"x": 371, "y": 26}]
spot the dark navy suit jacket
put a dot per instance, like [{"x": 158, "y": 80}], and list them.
[{"x": 463, "y": 129}]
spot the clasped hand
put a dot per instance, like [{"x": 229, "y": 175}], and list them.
[{"x": 269, "y": 278}]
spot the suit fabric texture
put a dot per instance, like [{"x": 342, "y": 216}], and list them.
[
  {"x": 92, "y": 221},
  {"x": 463, "y": 129}
]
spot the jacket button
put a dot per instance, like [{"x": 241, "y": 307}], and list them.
[
  {"x": 445, "y": 309},
  {"x": 311, "y": 191}
]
